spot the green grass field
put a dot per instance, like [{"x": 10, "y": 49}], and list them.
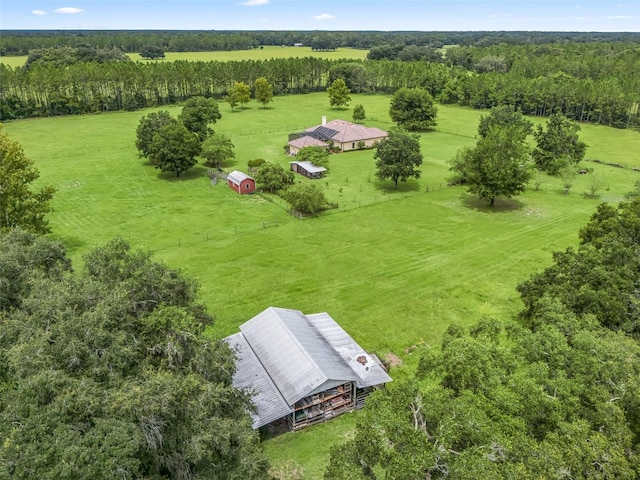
[
  {"x": 265, "y": 53},
  {"x": 393, "y": 266}
]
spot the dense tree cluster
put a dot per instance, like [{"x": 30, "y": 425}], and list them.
[
  {"x": 500, "y": 162},
  {"x": 406, "y": 53},
  {"x": 152, "y": 52},
  {"x": 586, "y": 82},
  {"x": 172, "y": 145},
  {"x": 20, "y": 42},
  {"x": 64, "y": 56},
  {"x": 554, "y": 394},
  {"x": 107, "y": 374}
]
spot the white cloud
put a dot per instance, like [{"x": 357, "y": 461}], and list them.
[
  {"x": 38, "y": 12},
  {"x": 323, "y": 16},
  {"x": 254, "y": 3},
  {"x": 621, "y": 17},
  {"x": 68, "y": 10}
]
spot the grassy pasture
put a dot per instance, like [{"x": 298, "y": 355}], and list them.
[
  {"x": 14, "y": 62},
  {"x": 266, "y": 53},
  {"x": 393, "y": 266}
]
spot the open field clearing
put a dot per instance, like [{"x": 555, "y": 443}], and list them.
[
  {"x": 393, "y": 266},
  {"x": 14, "y": 62},
  {"x": 423, "y": 254},
  {"x": 265, "y": 53}
]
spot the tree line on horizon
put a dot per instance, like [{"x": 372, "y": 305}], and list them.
[
  {"x": 592, "y": 82},
  {"x": 21, "y": 42}
]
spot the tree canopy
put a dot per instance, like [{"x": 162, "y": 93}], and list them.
[
  {"x": 306, "y": 197},
  {"x": 272, "y": 177},
  {"x": 558, "y": 145},
  {"x": 413, "y": 109},
  {"x": 174, "y": 149},
  {"x": 148, "y": 127},
  {"x": 398, "y": 156},
  {"x": 198, "y": 114},
  {"x": 239, "y": 93},
  {"x": 498, "y": 166},
  {"x": 20, "y": 204},
  {"x": 358, "y": 113},
  {"x": 339, "y": 94},
  {"x": 505, "y": 117},
  {"x": 107, "y": 374},
  {"x": 317, "y": 155},
  {"x": 217, "y": 149},
  {"x": 264, "y": 91},
  {"x": 152, "y": 52}
]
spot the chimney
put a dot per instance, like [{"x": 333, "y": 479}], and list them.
[{"x": 324, "y": 120}]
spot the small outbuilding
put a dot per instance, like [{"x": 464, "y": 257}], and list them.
[
  {"x": 302, "y": 369},
  {"x": 307, "y": 169},
  {"x": 241, "y": 182}
]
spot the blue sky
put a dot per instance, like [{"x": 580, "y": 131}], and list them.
[{"x": 426, "y": 15}]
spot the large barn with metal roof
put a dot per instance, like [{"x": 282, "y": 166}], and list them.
[{"x": 302, "y": 368}]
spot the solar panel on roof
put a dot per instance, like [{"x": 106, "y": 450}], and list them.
[{"x": 325, "y": 133}]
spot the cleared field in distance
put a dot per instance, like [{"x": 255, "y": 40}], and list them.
[
  {"x": 393, "y": 266},
  {"x": 264, "y": 53}
]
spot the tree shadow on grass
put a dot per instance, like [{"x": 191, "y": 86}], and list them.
[
  {"x": 194, "y": 173},
  {"x": 500, "y": 205},
  {"x": 388, "y": 187}
]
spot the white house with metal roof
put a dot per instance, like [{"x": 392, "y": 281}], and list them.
[{"x": 304, "y": 368}]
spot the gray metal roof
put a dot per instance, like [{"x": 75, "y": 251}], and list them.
[
  {"x": 310, "y": 167},
  {"x": 251, "y": 375},
  {"x": 284, "y": 356},
  {"x": 367, "y": 366},
  {"x": 237, "y": 177},
  {"x": 297, "y": 358}
]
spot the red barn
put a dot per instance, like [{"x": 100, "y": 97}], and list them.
[{"x": 241, "y": 182}]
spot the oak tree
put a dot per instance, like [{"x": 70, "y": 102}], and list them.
[
  {"x": 148, "y": 127},
  {"x": 558, "y": 145},
  {"x": 198, "y": 113},
  {"x": 498, "y": 166},
  {"x": 174, "y": 149},
  {"x": 107, "y": 374},
  {"x": 20, "y": 204},
  {"x": 398, "y": 156},
  {"x": 413, "y": 109}
]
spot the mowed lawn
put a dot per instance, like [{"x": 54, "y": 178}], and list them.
[{"x": 394, "y": 266}]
